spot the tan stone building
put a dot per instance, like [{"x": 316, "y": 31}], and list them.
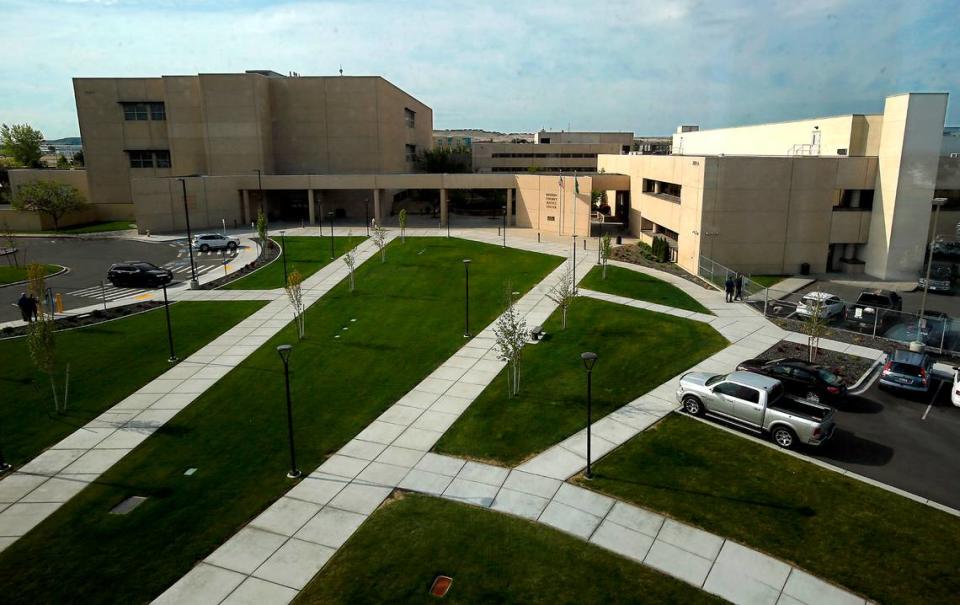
[
  {"x": 848, "y": 193},
  {"x": 551, "y": 152}
]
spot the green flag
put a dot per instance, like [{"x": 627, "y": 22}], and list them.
[{"x": 576, "y": 186}]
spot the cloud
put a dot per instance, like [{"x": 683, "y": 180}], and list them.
[{"x": 622, "y": 65}]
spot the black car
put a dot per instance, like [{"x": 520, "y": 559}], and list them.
[
  {"x": 799, "y": 377},
  {"x": 138, "y": 274}
]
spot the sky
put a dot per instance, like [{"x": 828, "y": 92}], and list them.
[{"x": 512, "y": 66}]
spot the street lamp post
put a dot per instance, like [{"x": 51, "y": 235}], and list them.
[
  {"x": 589, "y": 359},
  {"x": 166, "y": 308},
  {"x": 366, "y": 214},
  {"x": 504, "y": 226},
  {"x": 283, "y": 255},
  {"x": 574, "y": 263},
  {"x": 466, "y": 298},
  {"x": 186, "y": 215},
  {"x": 937, "y": 203},
  {"x": 330, "y": 216},
  {"x": 284, "y": 352}
]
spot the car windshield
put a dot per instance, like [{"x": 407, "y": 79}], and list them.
[
  {"x": 829, "y": 377},
  {"x": 940, "y": 272},
  {"x": 812, "y": 301},
  {"x": 146, "y": 266},
  {"x": 908, "y": 369},
  {"x": 714, "y": 379},
  {"x": 873, "y": 299}
]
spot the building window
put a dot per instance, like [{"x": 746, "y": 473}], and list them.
[
  {"x": 134, "y": 111},
  {"x": 158, "y": 111},
  {"x": 162, "y": 158},
  {"x": 663, "y": 189},
  {"x": 137, "y": 112},
  {"x": 141, "y": 159},
  {"x": 410, "y": 116},
  {"x": 856, "y": 199},
  {"x": 544, "y": 140},
  {"x": 411, "y": 152}
]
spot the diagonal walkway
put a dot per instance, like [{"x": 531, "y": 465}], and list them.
[{"x": 40, "y": 487}]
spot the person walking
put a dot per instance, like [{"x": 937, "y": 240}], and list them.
[
  {"x": 24, "y": 303},
  {"x": 728, "y": 288},
  {"x": 34, "y": 307},
  {"x": 738, "y": 287}
]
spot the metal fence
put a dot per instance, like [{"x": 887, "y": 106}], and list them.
[{"x": 935, "y": 330}]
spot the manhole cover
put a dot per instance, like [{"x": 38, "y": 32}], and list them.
[
  {"x": 128, "y": 505},
  {"x": 441, "y": 584},
  {"x": 190, "y": 471}
]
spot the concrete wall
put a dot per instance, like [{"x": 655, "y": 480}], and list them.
[
  {"x": 616, "y": 138},
  {"x": 484, "y": 162},
  {"x": 29, "y": 221}
]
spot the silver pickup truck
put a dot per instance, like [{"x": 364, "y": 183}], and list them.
[{"x": 757, "y": 403}]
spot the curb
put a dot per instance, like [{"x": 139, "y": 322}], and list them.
[{"x": 62, "y": 270}]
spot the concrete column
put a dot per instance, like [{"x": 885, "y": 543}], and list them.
[
  {"x": 443, "y": 208},
  {"x": 510, "y": 218},
  {"x": 245, "y": 205},
  {"x": 377, "y": 214},
  {"x": 311, "y": 207}
]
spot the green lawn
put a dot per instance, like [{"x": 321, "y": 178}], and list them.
[
  {"x": 624, "y": 282},
  {"x": 492, "y": 558},
  {"x": 305, "y": 254},
  {"x": 864, "y": 538},
  {"x": 768, "y": 280},
  {"x": 107, "y": 362},
  {"x": 10, "y": 275},
  {"x": 96, "y": 227},
  {"x": 638, "y": 351},
  {"x": 408, "y": 315}
]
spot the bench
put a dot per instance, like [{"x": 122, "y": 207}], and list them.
[{"x": 537, "y": 333}]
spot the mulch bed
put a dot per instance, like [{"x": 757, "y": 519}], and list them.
[
  {"x": 266, "y": 256},
  {"x": 94, "y": 317},
  {"x": 631, "y": 253},
  {"x": 848, "y": 367}
]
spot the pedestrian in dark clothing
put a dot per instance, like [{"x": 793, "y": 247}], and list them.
[
  {"x": 738, "y": 287},
  {"x": 728, "y": 288},
  {"x": 24, "y": 303},
  {"x": 34, "y": 307}
]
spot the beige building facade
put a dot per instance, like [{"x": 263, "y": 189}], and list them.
[
  {"x": 848, "y": 193},
  {"x": 551, "y": 152}
]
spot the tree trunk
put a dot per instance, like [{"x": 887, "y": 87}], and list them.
[
  {"x": 53, "y": 386},
  {"x": 563, "y": 321},
  {"x": 604, "y": 268}
]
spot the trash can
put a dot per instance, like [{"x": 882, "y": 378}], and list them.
[
  {"x": 619, "y": 240},
  {"x": 805, "y": 269}
]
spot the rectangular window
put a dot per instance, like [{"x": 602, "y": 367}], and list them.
[
  {"x": 162, "y": 158},
  {"x": 410, "y": 116},
  {"x": 141, "y": 159},
  {"x": 158, "y": 111},
  {"x": 134, "y": 111},
  {"x": 669, "y": 191},
  {"x": 411, "y": 153}
]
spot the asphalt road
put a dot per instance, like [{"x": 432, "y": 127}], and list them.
[
  {"x": 88, "y": 261},
  {"x": 909, "y": 442}
]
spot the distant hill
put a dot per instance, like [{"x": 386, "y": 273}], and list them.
[{"x": 64, "y": 141}]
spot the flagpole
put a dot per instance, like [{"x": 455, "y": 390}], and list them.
[
  {"x": 563, "y": 195},
  {"x": 575, "y": 200}
]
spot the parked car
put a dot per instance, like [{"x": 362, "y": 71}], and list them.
[
  {"x": 757, "y": 403},
  {"x": 878, "y": 308},
  {"x": 824, "y": 304},
  {"x": 955, "y": 390},
  {"x": 214, "y": 241},
  {"x": 806, "y": 380},
  {"x": 907, "y": 370},
  {"x": 941, "y": 277},
  {"x": 138, "y": 274}
]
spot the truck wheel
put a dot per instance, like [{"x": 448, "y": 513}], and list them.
[
  {"x": 784, "y": 437},
  {"x": 232, "y": 246},
  {"x": 692, "y": 406}
]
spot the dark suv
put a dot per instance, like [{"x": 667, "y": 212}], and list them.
[
  {"x": 875, "y": 308},
  {"x": 139, "y": 274},
  {"x": 805, "y": 380}
]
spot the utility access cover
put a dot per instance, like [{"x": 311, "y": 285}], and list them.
[{"x": 128, "y": 505}]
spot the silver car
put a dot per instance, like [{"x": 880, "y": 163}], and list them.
[
  {"x": 757, "y": 403},
  {"x": 214, "y": 241}
]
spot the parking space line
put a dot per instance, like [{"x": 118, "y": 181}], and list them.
[{"x": 934, "y": 398}]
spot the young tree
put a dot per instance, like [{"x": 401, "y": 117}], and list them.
[
  {"x": 511, "y": 335},
  {"x": 605, "y": 250},
  {"x": 262, "y": 229},
  {"x": 350, "y": 257},
  {"x": 563, "y": 293},
  {"x": 815, "y": 327},
  {"x": 43, "y": 352},
  {"x": 37, "y": 283},
  {"x": 62, "y": 162},
  {"x": 380, "y": 239},
  {"x": 22, "y": 143},
  {"x": 6, "y": 234},
  {"x": 294, "y": 290},
  {"x": 77, "y": 158},
  {"x": 403, "y": 225},
  {"x": 50, "y": 198}
]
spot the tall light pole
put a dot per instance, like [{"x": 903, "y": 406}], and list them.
[
  {"x": 937, "y": 203},
  {"x": 466, "y": 298},
  {"x": 166, "y": 308},
  {"x": 366, "y": 214},
  {"x": 504, "y": 226},
  {"x": 284, "y": 352},
  {"x": 330, "y": 215},
  {"x": 186, "y": 214},
  {"x": 283, "y": 255},
  {"x": 574, "y": 263},
  {"x": 589, "y": 359}
]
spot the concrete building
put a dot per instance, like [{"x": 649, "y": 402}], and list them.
[
  {"x": 551, "y": 152},
  {"x": 652, "y": 145},
  {"x": 237, "y": 124},
  {"x": 847, "y": 193}
]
